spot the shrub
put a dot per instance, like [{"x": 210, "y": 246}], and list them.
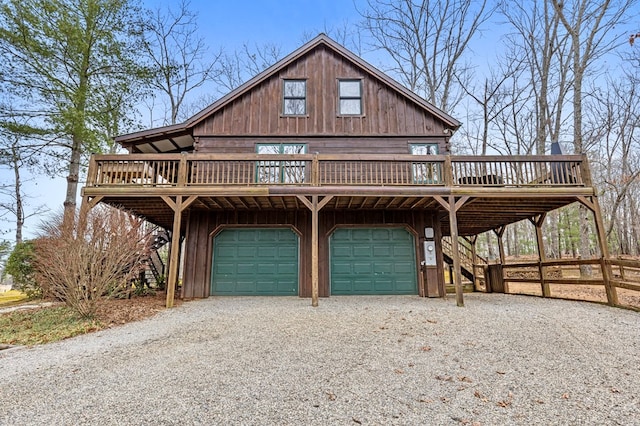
[
  {"x": 99, "y": 252},
  {"x": 20, "y": 267}
]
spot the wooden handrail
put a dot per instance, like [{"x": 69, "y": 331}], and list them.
[{"x": 180, "y": 170}]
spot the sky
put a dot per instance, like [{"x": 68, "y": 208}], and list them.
[{"x": 223, "y": 24}]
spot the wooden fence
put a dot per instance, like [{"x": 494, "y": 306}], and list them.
[{"x": 575, "y": 279}]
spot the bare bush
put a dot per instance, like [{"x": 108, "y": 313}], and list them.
[{"x": 97, "y": 254}]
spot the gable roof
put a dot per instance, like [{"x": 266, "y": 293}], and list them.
[{"x": 179, "y": 137}]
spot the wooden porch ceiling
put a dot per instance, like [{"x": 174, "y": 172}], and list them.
[{"x": 482, "y": 212}]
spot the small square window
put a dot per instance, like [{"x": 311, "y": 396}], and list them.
[
  {"x": 350, "y": 94},
  {"x": 294, "y": 97}
]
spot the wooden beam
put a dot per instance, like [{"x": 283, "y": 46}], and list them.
[
  {"x": 175, "y": 251},
  {"x": 314, "y": 251},
  {"x": 499, "y": 231},
  {"x": 305, "y": 201},
  {"x": 442, "y": 202},
  {"x": 588, "y": 204},
  {"x": 91, "y": 202},
  {"x": 461, "y": 202},
  {"x": 170, "y": 202},
  {"x": 189, "y": 201},
  {"x": 324, "y": 202},
  {"x": 612, "y": 295},
  {"x": 453, "y": 224},
  {"x": 542, "y": 256}
]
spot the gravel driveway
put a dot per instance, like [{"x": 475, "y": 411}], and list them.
[{"x": 353, "y": 360}]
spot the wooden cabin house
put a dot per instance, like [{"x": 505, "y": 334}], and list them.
[{"x": 323, "y": 176}]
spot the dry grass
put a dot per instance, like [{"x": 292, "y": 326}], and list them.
[{"x": 50, "y": 324}]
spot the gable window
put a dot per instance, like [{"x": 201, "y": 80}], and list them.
[
  {"x": 426, "y": 172},
  {"x": 350, "y": 94},
  {"x": 294, "y": 97},
  {"x": 279, "y": 171}
]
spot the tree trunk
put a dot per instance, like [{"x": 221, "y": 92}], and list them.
[
  {"x": 72, "y": 179},
  {"x": 18, "y": 194}
]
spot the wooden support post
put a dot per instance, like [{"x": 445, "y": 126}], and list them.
[
  {"x": 542, "y": 256},
  {"x": 499, "y": 233},
  {"x": 503, "y": 258},
  {"x": 314, "y": 251},
  {"x": 605, "y": 264},
  {"x": 315, "y": 206},
  {"x": 453, "y": 224},
  {"x": 175, "y": 251}
]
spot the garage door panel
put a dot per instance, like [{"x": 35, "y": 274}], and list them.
[
  {"x": 361, "y": 286},
  {"x": 383, "y": 268},
  {"x": 342, "y": 268},
  {"x": 405, "y": 286},
  {"x": 403, "y": 268},
  {"x": 402, "y": 251},
  {"x": 380, "y": 234},
  {"x": 362, "y": 268},
  {"x": 288, "y": 252},
  {"x": 382, "y": 251},
  {"x": 342, "y": 252},
  {"x": 372, "y": 261},
  {"x": 383, "y": 286},
  {"x": 255, "y": 262}
]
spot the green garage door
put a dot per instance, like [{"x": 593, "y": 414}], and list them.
[
  {"x": 373, "y": 261},
  {"x": 251, "y": 262}
]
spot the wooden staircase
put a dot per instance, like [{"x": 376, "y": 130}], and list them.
[
  {"x": 471, "y": 268},
  {"x": 156, "y": 268}
]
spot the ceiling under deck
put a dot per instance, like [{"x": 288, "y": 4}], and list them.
[{"x": 477, "y": 215}]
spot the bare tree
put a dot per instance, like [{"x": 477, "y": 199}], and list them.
[
  {"x": 612, "y": 124},
  {"x": 589, "y": 24},
  {"x": 536, "y": 42},
  {"x": 96, "y": 255},
  {"x": 16, "y": 157},
  {"x": 492, "y": 99},
  {"x": 427, "y": 42},
  {"x": 180, "y": 60},
  {"x": 237, "y": 67},
  {"x": 346, "y": 34}
]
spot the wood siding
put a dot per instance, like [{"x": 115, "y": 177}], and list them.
[
  {"x": 258, "y": 113},
  {"x": 203, "y": 225}
]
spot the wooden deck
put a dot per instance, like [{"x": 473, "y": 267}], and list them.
[{"x": 497, "y": 190}]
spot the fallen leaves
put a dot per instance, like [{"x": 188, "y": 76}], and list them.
[
  {"x": 480, "y": 396},
  {"x": 505, "y": 403}
]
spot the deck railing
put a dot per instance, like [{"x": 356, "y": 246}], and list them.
[
  {"x": 564, "y": 279},
  {"x": 180, "y": 170}
]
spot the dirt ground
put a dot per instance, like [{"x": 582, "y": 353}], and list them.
[{"x": 112, "y": 312}]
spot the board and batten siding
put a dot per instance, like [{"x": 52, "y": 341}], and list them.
[
  {"x": 202, "y": 225},
  {"x": 258, "y": 111}
]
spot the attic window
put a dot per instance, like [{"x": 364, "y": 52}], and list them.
[
  {"x": 350, "y": 93},
  {"x": 294, "y": 97}
]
